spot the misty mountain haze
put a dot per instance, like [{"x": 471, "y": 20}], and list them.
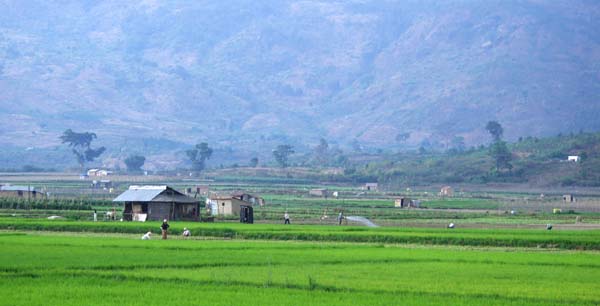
[{"x": 156, "y": 77}]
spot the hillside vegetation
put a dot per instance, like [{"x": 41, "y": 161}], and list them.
[
  {"x": 535, "y": 161},
  {"x": 160, "y": 76}
]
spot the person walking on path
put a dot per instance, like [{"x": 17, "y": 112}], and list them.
[
  {"x": 164, "y": 227},
  {"x": 286, "y": 217}
]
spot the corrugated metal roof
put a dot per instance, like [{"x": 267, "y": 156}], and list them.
[
  {"x": 153, "y": 193},
  {"x": 16, "y": 188},
  {"x": 140, "y": 194}
]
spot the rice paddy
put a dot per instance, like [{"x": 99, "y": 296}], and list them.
[{"x": 121, "y": 269}]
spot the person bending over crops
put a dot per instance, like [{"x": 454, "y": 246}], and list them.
[
  {"x": 186, "y": 232},
  {"x": 164, "y": 228},
  {"x": 147, "y": 236}
]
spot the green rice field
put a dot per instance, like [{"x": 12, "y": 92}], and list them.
[
  {"x": 50, "y": 268},
  {"x": 494, "y": 256},
  {"x": 530, "y": 238}
]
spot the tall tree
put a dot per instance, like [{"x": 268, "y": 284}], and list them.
[
  {"x": 321, "y": 152},
  {"x": 135, "y": 162},
  {"x": 80, "y": 144},
  {"x": 282, "y": 154},
  {"x": 495, "y": 129},
  {"x": 198, "y": 156},
  {"x": 502, "y": 155}
]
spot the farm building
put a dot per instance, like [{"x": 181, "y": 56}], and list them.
[
  {"x": 568, "y": 198},
  {"x": 406, "y": 202},
  {"x": 574, "y": 158},
  {"x": 230, "y": 204},
  {"x": 318, "y": 192},
  {"x": 402, "y": 202},
  {"x": 101, "y": 184},
  {"x": 371, "y": 187},
  {"x": 26, "y": 192},
  {"x": 255, "y": 200},
  {"x": 156, "y": 203},
  {"x": 203, "y": 190},
  {"x": 199, "y": 190},
  {"x": 446, "y": 191},
  {"x": 98, "y": 172}
]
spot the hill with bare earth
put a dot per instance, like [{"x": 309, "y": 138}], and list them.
[{"x": 156, "y": 77}]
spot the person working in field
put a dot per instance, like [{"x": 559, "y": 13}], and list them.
[
  {"x": 186, "y": 232},
  {"x": 286, "y": 218},
  {"x": 340, "y": 217},
  {"x": 147, "y": 236},
  {"x": 164, "y": 228}
]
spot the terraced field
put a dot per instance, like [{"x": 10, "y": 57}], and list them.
[{"x": 120, "y": 269}]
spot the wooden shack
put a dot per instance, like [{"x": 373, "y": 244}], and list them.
[
  {"x": 568, "y": 198},
  {"x": 402, "y": 202},
  {"x": 407, "y": 203},
  {"x": 143, "y": 203},
  {"x": 446, "y": 191},
  {"x": 26, "y": 192},
  {"x": 246, "y": 197},
  {"x": 318, "y": 192},
  {"x": 371, "y": 187},
  {"x": 226, "y": 205}
]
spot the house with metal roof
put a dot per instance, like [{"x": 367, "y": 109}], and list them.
[
  {"x": 143, "y": 203},
  {"x": 26, "y": 192}
]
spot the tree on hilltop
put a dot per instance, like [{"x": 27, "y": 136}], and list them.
[
  {"x": 135, "y": 162},
  {"x": 495, "y": 129},
  {"x": 80, "y": 144},
  {"x": 198, "y": 156},
  {"x": 282, "y": 154}
]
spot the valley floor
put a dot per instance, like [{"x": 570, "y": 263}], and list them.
[{"x": 49, "y": 268}]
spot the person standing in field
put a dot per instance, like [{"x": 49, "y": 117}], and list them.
[
  {"x": 164, "y": 228},
  {"x": 340, "y": 217},
  {"x": 95, "y": 215},
  {"x": 286, "y": 217}
]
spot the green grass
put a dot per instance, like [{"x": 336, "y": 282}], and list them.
[
  {"x": 76, "y": 269},
  {"x": 435, "y": 236},
  {"x": 461, "y": 203}
]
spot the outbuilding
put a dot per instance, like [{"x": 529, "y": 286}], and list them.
[
  {"x": 143, "y": 203},
  {"x": 568, "y": 198},
  {"x": 371, "y": 187},
  {"x": 27, "y": 192},
  {"x": 226, "y": 205},
  {"x": 446, "y": 191},
  {"x": 574, "y": 158},
  {"x": 318, "y": 192}
]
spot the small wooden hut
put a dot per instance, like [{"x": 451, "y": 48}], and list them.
[{"x": 143, "y": 203}]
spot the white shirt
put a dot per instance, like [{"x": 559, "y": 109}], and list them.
[
  {"x": 286, "y": 216},
  {"x": 146, "y": 236}
]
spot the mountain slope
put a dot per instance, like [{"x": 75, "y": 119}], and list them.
[{"x": 246, "y": 74}]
